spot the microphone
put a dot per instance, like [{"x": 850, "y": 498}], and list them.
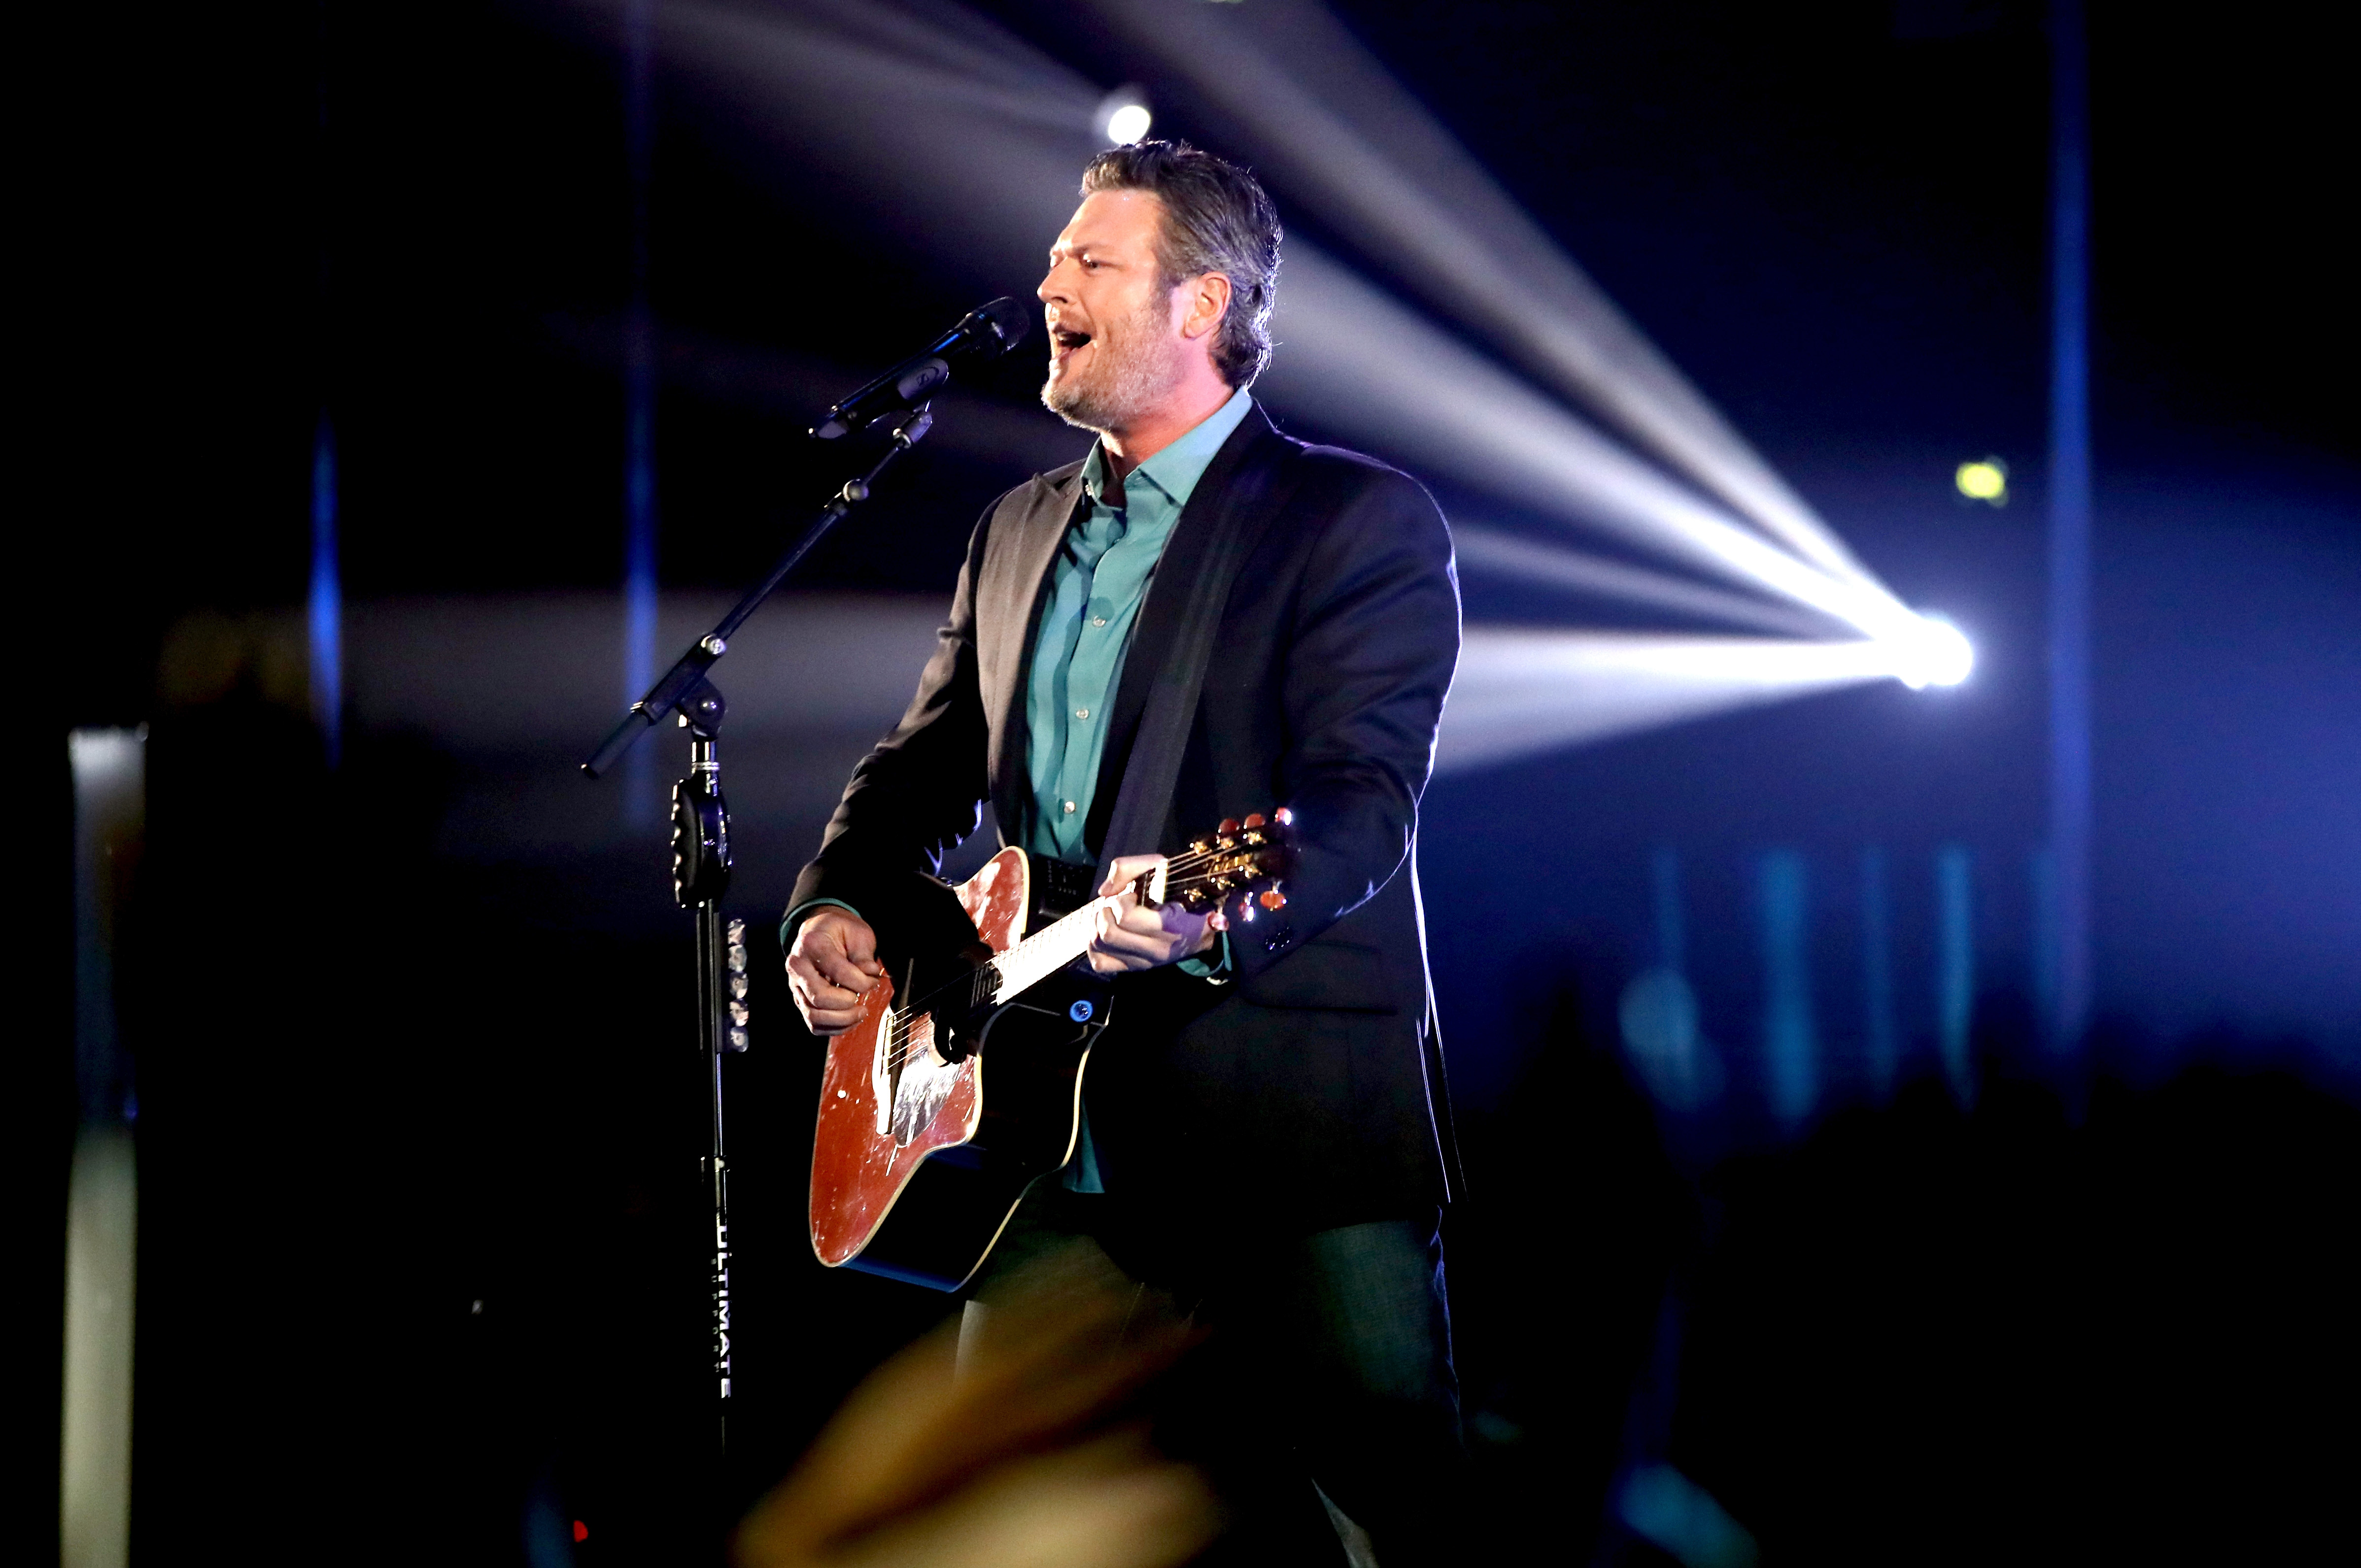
[{"x": 983, "y": 333}]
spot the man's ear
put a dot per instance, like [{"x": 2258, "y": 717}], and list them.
[{"x": 1208, "y": 301}]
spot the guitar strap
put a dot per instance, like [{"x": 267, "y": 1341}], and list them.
[{"x": 1143, "y": 803}]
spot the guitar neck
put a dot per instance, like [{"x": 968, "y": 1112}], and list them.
[
  {"x": 1048, "y": 950},
  {"x": 1238, "y": 860}
]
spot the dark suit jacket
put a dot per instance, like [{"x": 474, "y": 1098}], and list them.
[{"x": 1311, "y": 1085}]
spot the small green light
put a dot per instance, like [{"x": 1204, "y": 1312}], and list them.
[{"x": 1985, "y": 479}]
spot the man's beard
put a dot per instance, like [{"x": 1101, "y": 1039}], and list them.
[{"x": 1136, "y": 368}]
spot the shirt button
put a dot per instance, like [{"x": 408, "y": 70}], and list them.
[
  {"x": 1098, "y": 620},
  {"x": 1070, "y": 807},
  {"x": 1081, "y": 713}
]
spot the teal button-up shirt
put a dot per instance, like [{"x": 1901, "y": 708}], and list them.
[{"x": 1095, "y": 590}]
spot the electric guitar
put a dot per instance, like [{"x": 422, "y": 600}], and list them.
[{"x": 914, "y": 1168}]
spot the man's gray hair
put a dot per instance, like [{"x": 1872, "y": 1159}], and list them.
[{"x": 1217, "y": 218}]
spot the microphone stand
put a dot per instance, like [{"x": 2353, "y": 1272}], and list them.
[{"x": 700, "y": 850}]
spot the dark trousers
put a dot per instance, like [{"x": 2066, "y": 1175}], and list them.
[{"x": 1327, "y": 1364}]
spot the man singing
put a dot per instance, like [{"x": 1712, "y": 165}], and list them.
[{"x": 1266, "y": 1131}]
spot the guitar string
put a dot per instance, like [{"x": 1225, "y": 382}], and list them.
[
  {"x": 1042, "y": 937},
  {"x": 901, "y": 1040},
  {"x": 907, "y": 1017}
]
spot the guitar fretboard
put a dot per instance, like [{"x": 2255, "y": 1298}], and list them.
[
  {"x": 1056, "y": 945},
  {"x": 1040, "y": 955}
]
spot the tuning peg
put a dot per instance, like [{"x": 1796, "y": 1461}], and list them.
[
  {"x": 1229, "y": 826},
  {"x": 1284, "y": 817},
  {"x": 1273, "y": 900},
  {"x": 1254, "y": 819},
  {"x": 1245, "y": 909}
]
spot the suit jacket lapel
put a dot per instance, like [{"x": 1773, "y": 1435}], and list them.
[
  {"x": 1253, "y": 444},
  {"x": 1026, "y": 537}
]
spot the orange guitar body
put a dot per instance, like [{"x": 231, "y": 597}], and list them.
[
  {"x": 915, "y": 1168},
  {"x": 913, "y": 1173}
]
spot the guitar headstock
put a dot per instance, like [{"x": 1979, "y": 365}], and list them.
[{"x": 1237, "y": 867}]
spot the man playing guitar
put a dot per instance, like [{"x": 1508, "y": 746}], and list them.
[{"x": 1266, "y": 1131}]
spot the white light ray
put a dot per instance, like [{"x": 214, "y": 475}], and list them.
[
  {"x": 990, "y": 160},
  {"x": 1509, "y": 555},
  {"x": 1521, "y": 692},
  {"x": 1325, "y": 120},
  {"x": 986, "y": 144},
  {"x": 1353, "y": 358}
]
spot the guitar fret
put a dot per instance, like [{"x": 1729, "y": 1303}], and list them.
[
  {"x": 1043, "y": 953},
  {"x": 1046, "y": 951}
]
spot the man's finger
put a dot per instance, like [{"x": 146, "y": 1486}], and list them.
[
  {"x": 813, "y": 987},
  {"x": 842, "y": 970},
  {"x": 1129, "y": 927},
  {"x": 1139, "y": 945},
  {"x": 1127, "y": 869},
  {"x": 825, "y": 1021},
  {"x": 859, "y": 941},
  {"x": 826, "y": 952},
  {"x": 1153, "y": 949}
]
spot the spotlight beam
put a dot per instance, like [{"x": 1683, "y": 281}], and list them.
[
  {"x": 1353, "y": 358},
  {"x": 1521, "y": 692},
  {"x": 1388, "y": 175},
  {"x": 1501, "y": 555}
]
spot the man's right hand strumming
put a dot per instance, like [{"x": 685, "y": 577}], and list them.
[{"x": 832, "y": 969}]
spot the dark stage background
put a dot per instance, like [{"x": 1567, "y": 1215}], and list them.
[{"x": 417, "y": 1092}]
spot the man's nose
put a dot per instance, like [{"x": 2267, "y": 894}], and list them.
[{"x": 1052, "y": 289}]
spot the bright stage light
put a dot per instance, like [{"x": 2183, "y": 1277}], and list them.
[
  {"x": 1127, "y": 125},
  {"x": 1933, "y": 653},
  {"x": 1124, "y": 117},
  {"x": 1986, "y": 479}
]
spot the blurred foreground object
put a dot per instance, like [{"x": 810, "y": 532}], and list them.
[{"x": 1009, "y": 1451}]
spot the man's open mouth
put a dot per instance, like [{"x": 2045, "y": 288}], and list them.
[{"x": 1065, "y": 340}]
